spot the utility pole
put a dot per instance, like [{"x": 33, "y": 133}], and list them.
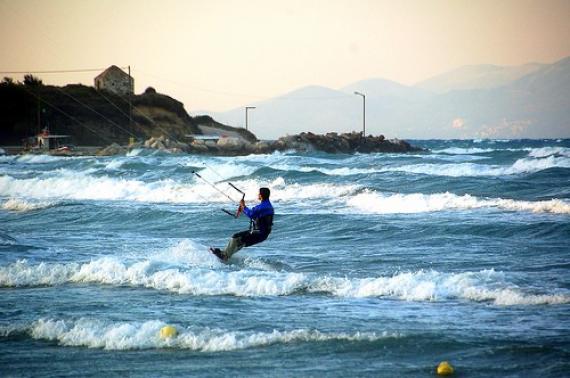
[
  {"x": 246, "y": 109},
  {"x": 131, "y": 86},
  {"x": 38, "y": 116},
  {"x": 363, "y": 112}
]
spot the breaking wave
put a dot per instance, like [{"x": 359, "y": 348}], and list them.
[
  {"x": 521, "y": 166},
  {"x": 549, "y": 151},
  {"x": 22, "y": 205},
  {"x": 464, "y": 151},
  {"x": 208, "y": 277},
  {"x": 94, "y": 333},
  {"x": 87, "y": 187},
  {"x": 371, "y": 202}
]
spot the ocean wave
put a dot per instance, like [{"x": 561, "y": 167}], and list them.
[
  {"x": 341, "y": 171},
  {"x": 464, "y": 151},
  {"x": 209, "y": 277},
  {"x": 483, "y": 286},
  {"x": 521, "y": 166},
  {"x": 215, "y": 171},
  {"x": 114, "y": 164},
  {"x": 22, "y": 205},
  {"x": 549, "y": 151},
  {"x": 114, "y": 335},
  {"x": 371, "y": 202},
  {"x": 38, "y": 159},
  {"x": 80, "y": 186}
]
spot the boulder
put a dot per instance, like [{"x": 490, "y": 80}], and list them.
[
  {"x": 232, "y": 144},
  {"x": 113, "y": 149}
]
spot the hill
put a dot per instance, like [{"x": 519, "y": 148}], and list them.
[
  {"x": 94, "y": 117},
  {"x": 530, "y": 101},
  {"x": 484, "y": 76}
]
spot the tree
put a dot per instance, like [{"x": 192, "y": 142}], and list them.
[
  {"x": 7, "y": 81},
  {"x": 32, "y": 81}
]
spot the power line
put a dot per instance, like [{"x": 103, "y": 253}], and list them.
[
  {"x": 112, "y": 103},
  {"x": 67, "y": 115},
  {"x": 54, "y": 71},
  {"x": 96, "y": 112},
  {"x": 251, "y": 96},
  {"x": 148, "y": 118}
]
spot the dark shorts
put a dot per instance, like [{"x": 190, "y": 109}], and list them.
[{"x": 250, "y": 238}]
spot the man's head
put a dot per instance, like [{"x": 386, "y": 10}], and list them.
[{"x": 264, "y": 193}]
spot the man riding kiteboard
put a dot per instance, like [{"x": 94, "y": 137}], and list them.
[{"x": 261, "y": 221}]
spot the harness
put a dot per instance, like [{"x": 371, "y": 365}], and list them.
[{"x": 261, "y": 224}]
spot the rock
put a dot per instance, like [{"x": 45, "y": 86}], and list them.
[
  {"x": 231, "y": 144},
  {"x": 166, "y": 144},
  {"x": 135, "y": 145},
  {"x": 308, "y": 141},
  {"x": 198, "y": 146},
  {"x": 261, "y": 148},
  {"x": 343, "y": 143},
  {"x": 113, "y": 149}
]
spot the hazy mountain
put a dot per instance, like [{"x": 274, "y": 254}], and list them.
[
  {"x": 484, "y": 76},
  {"x": 504, "y": 104},
  {"x": 312, "y": 108}
]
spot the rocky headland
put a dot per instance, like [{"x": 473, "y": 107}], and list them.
[
  {"x": 346, "y": 143},
  {"x": 101, "y": 122}
]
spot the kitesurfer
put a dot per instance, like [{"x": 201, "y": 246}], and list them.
[{"x": 261, "y": 221}]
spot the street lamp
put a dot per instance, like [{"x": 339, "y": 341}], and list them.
[
  {"x": 246, "y": 109},
  {"x": 363, "y": 112}
]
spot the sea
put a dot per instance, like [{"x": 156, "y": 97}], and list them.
[{"x": 379, "y": 265}]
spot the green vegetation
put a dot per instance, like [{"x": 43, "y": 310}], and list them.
[{"x": 91, "y": 117}]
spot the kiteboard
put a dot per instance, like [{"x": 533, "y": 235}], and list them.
[{"x": 218, "y": 253}]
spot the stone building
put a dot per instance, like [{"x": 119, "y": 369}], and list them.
[{"x": 115, "y": 80}]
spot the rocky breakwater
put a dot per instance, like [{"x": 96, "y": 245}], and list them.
[
  {"x": 230, "y": 146},
  {"x": 347, "y": 143}
]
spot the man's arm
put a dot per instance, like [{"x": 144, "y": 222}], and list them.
[{"x": 246, "y": 210}]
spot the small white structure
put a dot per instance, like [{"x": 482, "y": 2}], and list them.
[
  {"x": 46, "y": 141},
  {"x": 115, "y": 80},
  {"x": 205, "y": 138},
  {"x": 199, "y": 139}
]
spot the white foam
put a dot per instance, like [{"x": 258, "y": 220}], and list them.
[
  {"x": 185, "y": 268},
  {"x": 22, "y": 205},
  {"x": 485, "y": 285},
  {"x": 219, "y": 171},
  {"x": 83, "y": 186},
  {"x": 464, "y": 151},
  {"x": 549, "y": 151},
  {"x": 38, "y": 159},
  {"x": 370, "y": 202},
  {"x": 93, "y": 333},
  {"x": 470, "y": 169},
  {"x": 342, "y": 171},
  {"x": 114, "y": 164},
  {"x": 135, "y": 152}
]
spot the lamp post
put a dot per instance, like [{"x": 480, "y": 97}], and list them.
[
  {"x": 246, "y": 109},
  {"x": 363, "y": 112}
]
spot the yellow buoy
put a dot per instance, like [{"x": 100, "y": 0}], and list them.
[
  {"x": 444, "y": 368},
  {"x": 167, "y": 332}
]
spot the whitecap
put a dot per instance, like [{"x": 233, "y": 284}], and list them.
[
  {"x": 549, "y": 151},
  {"x": 94, "y": 333},
  {"x": 464, "y": 151},
  {"x": 371, "y": 202},
  {"x": 23, "y": 205},
  {"x": 38, "y": 159},
  {"x": 520, "y": 166},
  {"x": 485, "y": 285}
]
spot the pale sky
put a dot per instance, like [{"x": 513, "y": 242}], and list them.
[{"x": 220, "y": 54}]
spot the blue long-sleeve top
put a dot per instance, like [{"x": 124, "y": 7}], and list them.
[
  {"x": 264, "y": 208},
  {"x": 258, "y": 215}
]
